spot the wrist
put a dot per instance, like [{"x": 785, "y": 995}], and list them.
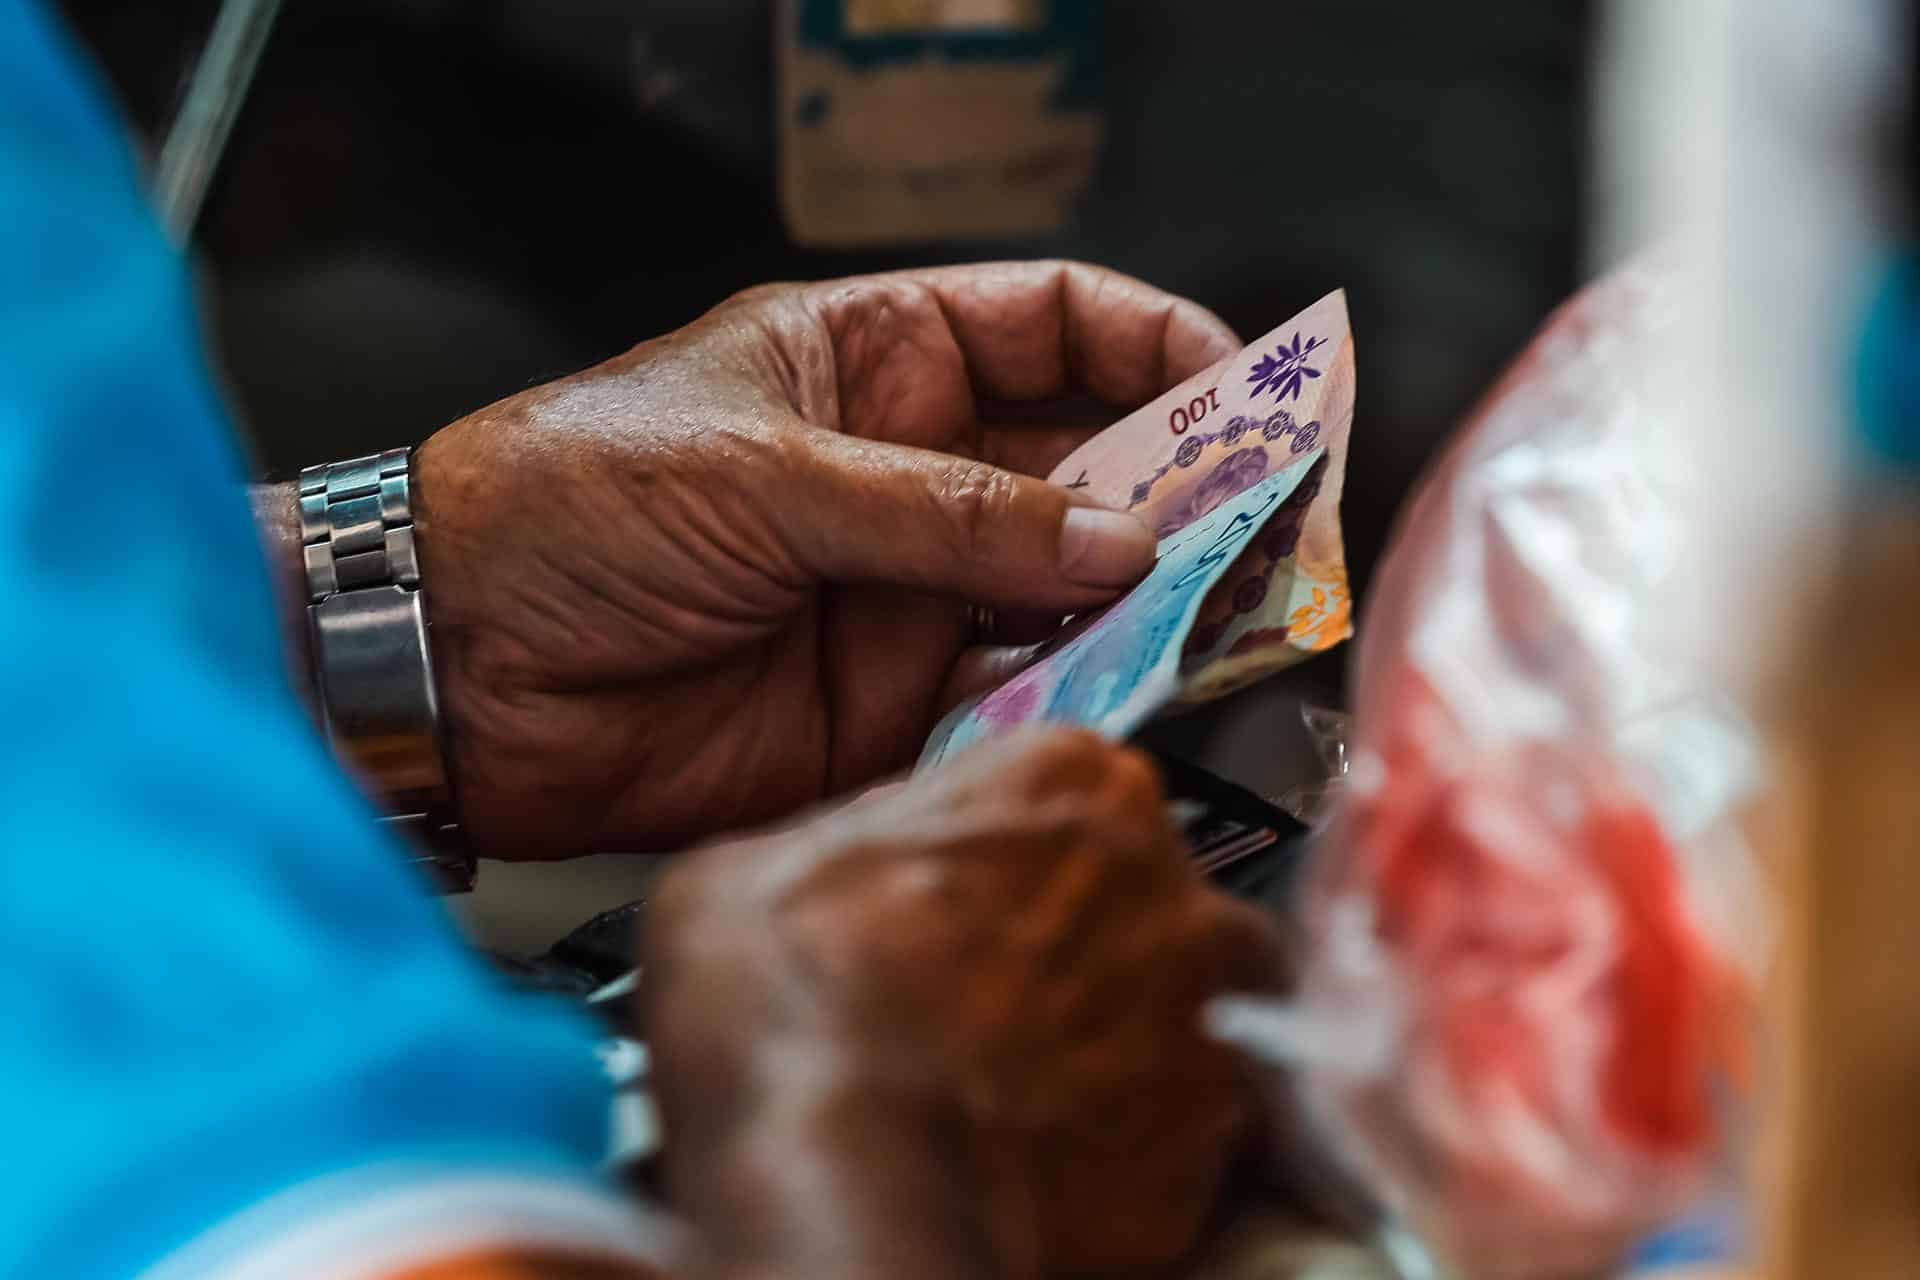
[
  {"x": 370, "y": 652},
  {"x": 276, "y": 513}
]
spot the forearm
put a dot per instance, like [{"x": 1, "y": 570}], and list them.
[{"x": 276, "y": 512}]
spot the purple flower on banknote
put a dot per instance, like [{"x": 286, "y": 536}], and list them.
[
  {"x": 1141, "y": 492},
  {"x": 1281, "y": 372},
  {"x": 1278, "y": 425},
  {"x": 1238, "y": 425},
  {"x": 1303, "y": 439},
  {"x": 1248, "y": 595},
  {"x": 1188, "y": 453},
  {"x": 1235, "y": 473}
]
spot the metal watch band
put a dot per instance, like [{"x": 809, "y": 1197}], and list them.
[{"x": 373, "y": 667}]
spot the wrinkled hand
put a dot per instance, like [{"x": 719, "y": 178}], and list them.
[
  {"x": 725, "y": 574},
  {"x": 954, "y": 1028}
]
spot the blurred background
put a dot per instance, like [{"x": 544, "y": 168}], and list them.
[{"x": 429, "y": 204}]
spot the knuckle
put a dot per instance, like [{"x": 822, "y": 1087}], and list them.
[
  {"x": 870, "y": 316},
  {"x": 1090, "y": 279},
  {"x": 761, "y": 295},
  {"x": 1059, "y": 755},
  {"x": 1134, "y": 783},
  {"x": 979, "y": 499},
  {"x": 878, "y": 896},
  {"x": 1104, "y": 792},
  {"x": 1036, "y": 771},
  {"x": 1133, "y": 776},
  {"x": 1071, "y": 267},
  {"x": 680, "y": 900}
]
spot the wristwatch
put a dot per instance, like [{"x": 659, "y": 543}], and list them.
[{"x": 373, "y": 665}]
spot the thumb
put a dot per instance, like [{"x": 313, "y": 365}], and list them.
[{"x": 869, "y": 512}]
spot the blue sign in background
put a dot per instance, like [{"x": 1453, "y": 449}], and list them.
[{"x": 1070, "y": 29}]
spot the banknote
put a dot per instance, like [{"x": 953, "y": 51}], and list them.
[
  {"x": 1113, "y": 670},
  {"x": 1170, "y": 463},
  {"x": 1174, "y": 459},
  {"x": 1270, "y": 610}
]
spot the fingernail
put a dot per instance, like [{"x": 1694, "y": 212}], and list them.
[{"x": 1101, "y": 548}]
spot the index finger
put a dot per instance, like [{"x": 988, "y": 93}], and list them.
[{"x": 1035, "y": 330}]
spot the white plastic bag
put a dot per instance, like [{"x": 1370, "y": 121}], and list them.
[{"x": 1525, "y": 967}]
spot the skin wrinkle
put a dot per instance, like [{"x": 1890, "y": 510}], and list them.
[
  {"x": 581, "y": 563},
  {"x": 814, "y": 467},
  {"x": 952, "y": 302},
  {"x": 659, "y": 493},
  {"x": 848, "y": 336},
  {"x": 887, "y": 334},
  {"x": 825, "y": 378},
  {"x": 897, "y": 329},
  {"x": 778, "y": 364},
  {"x": 804, "y": 384},
  {"x": 846, "y": 342},
  {"x": 788, "y": 747},
  {"x": 667, "y": 762},
  {"x": 586, "y": 630},
  {"x": 825, "y": 673},
  {"x": 1164, "y": 346},
  {"x": 666, "y": 630},
  {"x": 672, "y": 539},
  {"x": 854, "y": 758},
  {"x": 718, "y": 531},
  {"x": 971, "y": 411},
  {"x": 477, "y": 777},
  {"x": 1091, "y": 361},
  {"x": 1063, "y": 302},
  {"x": 983, "y": 495}
]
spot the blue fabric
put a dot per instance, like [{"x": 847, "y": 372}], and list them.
[
  {"x": 272, "y": 996},
  {"x": 1705, "y": 1239},
  {"x": 1889, "y": 369}
]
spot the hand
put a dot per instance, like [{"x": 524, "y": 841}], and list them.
[
  {"x": 726, "y": 574},
  {"x": 954, "y": 1028}
]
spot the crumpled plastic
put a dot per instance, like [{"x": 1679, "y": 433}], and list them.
[
  {"x": 1528, "y": 931},
  {"x": 1312, "y": 802}
]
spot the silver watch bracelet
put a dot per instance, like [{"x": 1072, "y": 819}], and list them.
[{"x": 372, "y": 654}]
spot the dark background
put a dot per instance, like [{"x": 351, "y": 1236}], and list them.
[{"x": 429, "y": 204}]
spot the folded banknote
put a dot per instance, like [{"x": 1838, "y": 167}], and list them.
[
  {"x": 1111, "y": 671},
  {"x": 1285, "y": 396},
  {"x": 1238, "y": 471}
]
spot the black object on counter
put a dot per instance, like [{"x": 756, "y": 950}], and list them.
[{"x": 1246, "y": 845}]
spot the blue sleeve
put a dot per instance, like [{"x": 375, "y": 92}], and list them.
[{"x": 216, "y": 979}]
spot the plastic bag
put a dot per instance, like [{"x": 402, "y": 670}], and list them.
[
  {"x": 1313, "y": 802},
  {"x": 1525, "y": 960}
]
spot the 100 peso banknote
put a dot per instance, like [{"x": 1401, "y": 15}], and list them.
[
  {"x": 1238, "y": 472},
  {"x": 1288, "y": 394}
]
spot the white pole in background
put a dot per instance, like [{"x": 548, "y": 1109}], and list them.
[
  {"x": 1748, "y": 135},
  {"x": 191, "y": 153}
]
